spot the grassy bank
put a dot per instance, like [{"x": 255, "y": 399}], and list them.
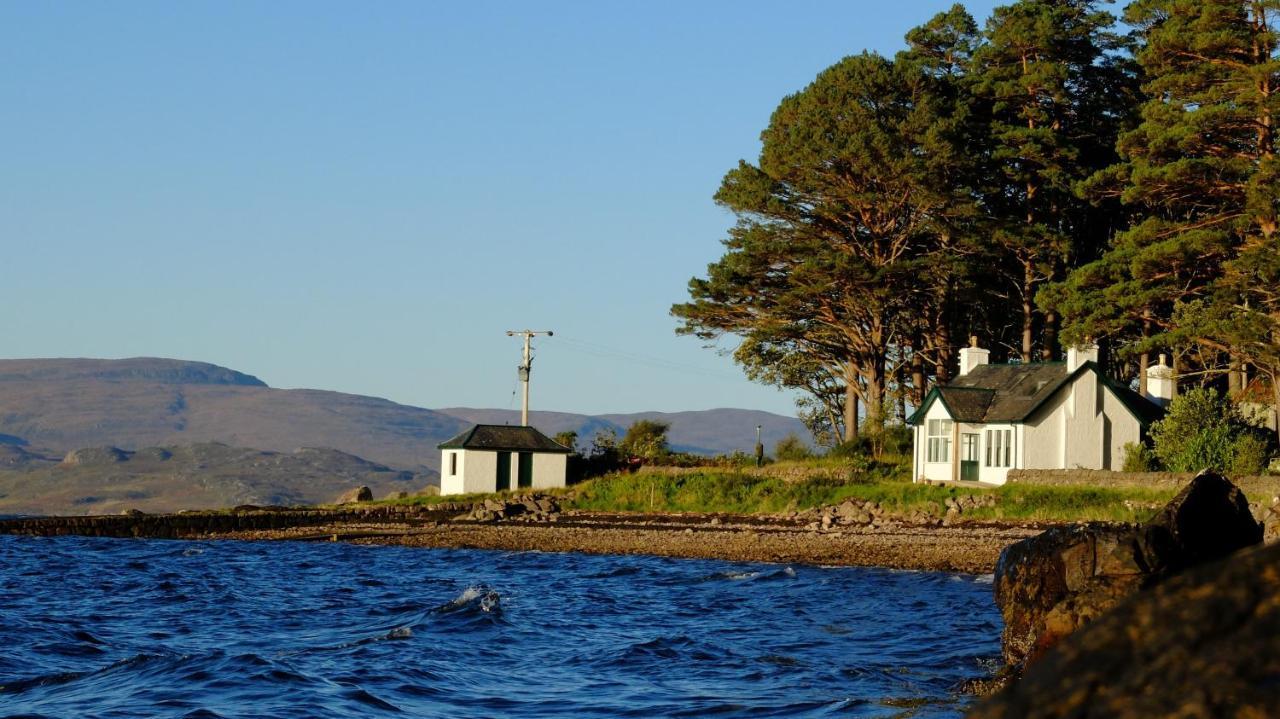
[
  {"x": 743, "y": 492},
  {"x": 797, "y": 486}
]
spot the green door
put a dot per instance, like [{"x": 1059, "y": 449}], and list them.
[
  {"x": 524, "y": 476},
  {"x": 504, "y": 472},
  {"x": 969, "y": 457}
]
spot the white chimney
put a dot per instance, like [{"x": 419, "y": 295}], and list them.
[
  {"x": 1160, "y": 383},
  {"x": 1077, "y": 356},
  {"x": 972, "y": 356}
]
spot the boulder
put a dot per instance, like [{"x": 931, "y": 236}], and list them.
[
  {"x": 430, "y": 490},
  {"x": 1050, "y": 585},
  {"x": 1205, "y": 644},
  {"x": 398, "y": 495},
  {"x": 358, "y": 494}
]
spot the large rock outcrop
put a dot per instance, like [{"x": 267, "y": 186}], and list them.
[
  {"x": 1051, "y": 585},
  {"x": 1202, "y": 645}
]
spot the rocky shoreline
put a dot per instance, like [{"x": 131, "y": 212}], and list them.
[{"x": 853, "y": 535}]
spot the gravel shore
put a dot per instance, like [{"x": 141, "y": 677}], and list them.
[{"x": 972, "y": 548}]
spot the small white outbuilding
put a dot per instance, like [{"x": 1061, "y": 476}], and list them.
[
  {"x": 496, "y": 458},
  {"x": 1050, "y": 415}
]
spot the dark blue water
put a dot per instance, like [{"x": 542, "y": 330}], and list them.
[{"x": 130, "y": 628}]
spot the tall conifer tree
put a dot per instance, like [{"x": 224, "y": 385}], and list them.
[
  {"x": 1199, "y": 268},
  {"x": 1056, "y": 85}
]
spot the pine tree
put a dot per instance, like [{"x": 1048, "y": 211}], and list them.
[
  {"x": 834, "y": 225},
  {"x": 1057, "y": 88},
  {"x": 1200, "y": 267}
]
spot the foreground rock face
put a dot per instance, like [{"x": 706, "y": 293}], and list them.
[
  {"x": 1203, "y": 644},
  {"x": 1049, "y": 586}
]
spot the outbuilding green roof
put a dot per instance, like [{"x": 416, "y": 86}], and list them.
[{"x": 504, "y": 438}]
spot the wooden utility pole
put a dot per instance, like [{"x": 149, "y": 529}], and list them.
[{"x": 525, "y": 366}]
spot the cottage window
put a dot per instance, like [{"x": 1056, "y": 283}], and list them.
[
  {"x": 453, "y": 464},
  {"x": 999, "y": 448},
  {"x": 939, "y": 444}
]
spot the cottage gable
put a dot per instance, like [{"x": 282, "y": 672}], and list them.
[{"x": 994, "y": 418}]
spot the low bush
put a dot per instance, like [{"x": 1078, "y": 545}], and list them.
[
  {"x": 1205, "y": 430},
  {"x": 1138, "y": 457}
]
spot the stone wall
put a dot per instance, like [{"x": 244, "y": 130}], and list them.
[
  {"x": 1257, "y": 488},
  {"x": 195, "y": 524}
]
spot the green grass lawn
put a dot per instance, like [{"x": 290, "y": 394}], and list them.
[
  {"x": 741, "y": 492},
  {"x": 797, "y": 486}
]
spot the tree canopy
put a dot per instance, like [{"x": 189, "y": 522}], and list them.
[{"x": 1044, "y": 181}]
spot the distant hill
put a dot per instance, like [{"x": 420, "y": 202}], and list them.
[
  {"x": 231, "y": 439},
  {"x": 57, "y": 405},
  {"x": 712, "y": 431},
  {"x": 60, "y": 405},
  {"x": 107, "y": 480}
]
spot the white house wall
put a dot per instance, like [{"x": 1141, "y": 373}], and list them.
[
  {"x": 1084, "y": 426},
  {"x": 936, "y": 471},
  {"x": 997, "y": 475},
  {"x": 549, "y": 470},
  {"x": 478, "y": 471},
  {"x": 1042, "y": 435},
  {"x": 452, "y": 483},
  {"x": 1124, "y": 428}
]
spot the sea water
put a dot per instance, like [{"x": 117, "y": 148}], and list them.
[{"x": 151, "y": 628}]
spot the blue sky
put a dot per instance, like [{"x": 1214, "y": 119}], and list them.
[{"x": 364, "y": 197}]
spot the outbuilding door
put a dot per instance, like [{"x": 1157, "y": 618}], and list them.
[
  {"x": 524, "y": 474},
  {"x": 969, "y": 457},
  {"x": 504, "y": 472}
]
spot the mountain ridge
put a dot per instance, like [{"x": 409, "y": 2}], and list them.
[{"x": 59, "y": 405}]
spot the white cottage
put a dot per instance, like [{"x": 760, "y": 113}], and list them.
[
  {"x": 1052, "y": 415},
  {"x": 496, "y": 458}
]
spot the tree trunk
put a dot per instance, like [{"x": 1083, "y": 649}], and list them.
[
  {"x": 1028, "y": 311},
  {"x": 918, "y": 389},
  {"x": 1275, "y": 399},
  {"x": 874, "y": 389},
  {"x": 1235, "y": 378},
  {"x": 943, "y": 355},
  {"x": 850, "y": 402},
  {"x": 1049, "y": 338},
  {"x": 1144, "y": 360}
]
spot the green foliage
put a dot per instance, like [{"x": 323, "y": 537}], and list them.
[
  {"x": 1250, "y": 455},
  {"x": 646, "y": 438},
  {"x": 1029, "y": 502},
  {"x": 1138, "y": 457},
  {"x": 743, "y": 492},
  {"x": 791, "y": 448},
  {"x": 1204, "y": 430},
  {"x": 568, "y": 438},
  {"x": 1197, "y": 268}
]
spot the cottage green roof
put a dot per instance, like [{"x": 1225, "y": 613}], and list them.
[
  {"x": 1011, "y": 393},
  {"x": 504, "y": 438}
]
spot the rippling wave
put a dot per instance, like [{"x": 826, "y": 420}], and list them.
[{"x": 208, "y": 630}]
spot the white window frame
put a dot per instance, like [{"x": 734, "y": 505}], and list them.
[
  {"x": 453, "y": 464},
  {"x": 999, "y": 448},
  {"x": 938, "y": 442}
]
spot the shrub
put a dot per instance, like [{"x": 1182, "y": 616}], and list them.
[
  {"x": 1138, "y": 457},
  {"x": 646, "y": 438},
  {"x": 1204, "y": 430},
  {"x": 791, "y": 449},
  {"x": 1250, "y": 455}
]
